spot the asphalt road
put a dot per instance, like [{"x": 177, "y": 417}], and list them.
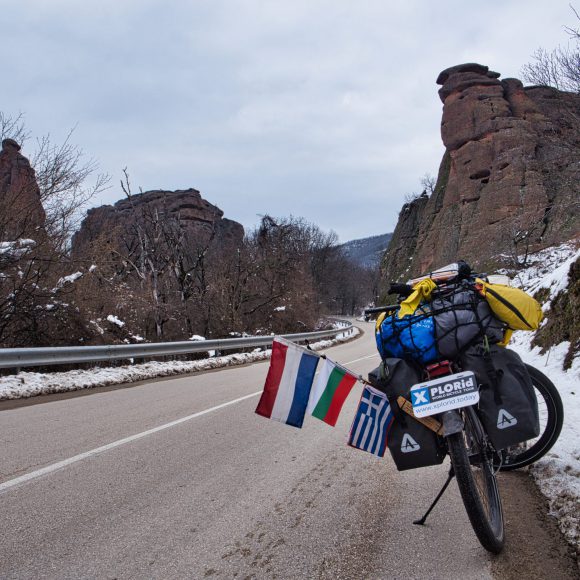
[{"x": 178, "y": 478}]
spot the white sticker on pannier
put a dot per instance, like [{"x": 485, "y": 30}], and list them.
[
  {"x": 505, "y": 420},
  {"x": 408, "y": 445},
  {"x": 444, "y": 393}
]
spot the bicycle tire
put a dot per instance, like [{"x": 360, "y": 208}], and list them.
[
  {"x": 472, "y": 462},
  {"x": 551, "y": 420}
]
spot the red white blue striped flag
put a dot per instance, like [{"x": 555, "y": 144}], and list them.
[{"x": 288, "y": 383}]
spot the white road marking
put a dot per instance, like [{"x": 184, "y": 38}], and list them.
[
  {"x": 362, "y": 358},
  {"x": 60, "y": 464},
  {"x": 65, "y": 462}
]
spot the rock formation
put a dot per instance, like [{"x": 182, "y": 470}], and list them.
[
  {"x": 509, "y": 178},
  {"x": 21, "y": 211},
  {"x": 158, "y": 213}
]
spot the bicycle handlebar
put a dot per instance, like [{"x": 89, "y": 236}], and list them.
[
  {"x": 388, "y": 308},
  {"x": 464, "y": 275},
  {"x": 401, "y": 289}
]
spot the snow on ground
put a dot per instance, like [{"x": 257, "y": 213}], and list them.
[
  {"x": 68, "y": 280},
  {"x": 114, "y": 320},
  {"x": 557, "y": 474},
  {"x": 16, "y": 248},
  {"x": 29, "y": 384},
  {"x": 548, "y": 269}
]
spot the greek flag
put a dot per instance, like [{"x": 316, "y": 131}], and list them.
[{"x": 371, "y": 423}]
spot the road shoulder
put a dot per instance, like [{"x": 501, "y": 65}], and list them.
[{"x": 535, "y": 547}]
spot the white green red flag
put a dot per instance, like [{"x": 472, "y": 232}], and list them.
[{"x": 328, "y": 394}]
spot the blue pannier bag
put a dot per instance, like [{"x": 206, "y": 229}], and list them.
[{"x": 411, "y": 337}]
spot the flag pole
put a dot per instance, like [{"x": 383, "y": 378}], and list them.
[
  {"x": 357, "y": 377},
  {"x": 404, "y": 404},
  {"x": 348, "y": 371}
]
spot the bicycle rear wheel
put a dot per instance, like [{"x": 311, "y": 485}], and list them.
[
  {"x": 472, "y": 461},
  {"x": 551, "y": 414}
]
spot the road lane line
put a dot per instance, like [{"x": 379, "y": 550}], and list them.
[
  {"x": 65, "y": 462},
  {"x": 60, "y": 464},
  {"x": 362, "y": 358}
]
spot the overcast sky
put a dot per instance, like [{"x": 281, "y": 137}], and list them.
[{"x": 325, "y": 109}]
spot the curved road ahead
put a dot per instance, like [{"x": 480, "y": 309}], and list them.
[{"x": 178, "y": 478}]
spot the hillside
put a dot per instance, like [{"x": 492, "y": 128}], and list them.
[{"x": 367, "y": 252}]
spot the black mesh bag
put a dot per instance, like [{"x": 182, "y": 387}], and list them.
[{"x": 462, "y": 317}]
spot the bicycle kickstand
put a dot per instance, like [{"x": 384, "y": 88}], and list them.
[{"x": 421, "y": 521}]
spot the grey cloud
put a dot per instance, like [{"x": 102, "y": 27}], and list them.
[{"x": 324, "y": 109}]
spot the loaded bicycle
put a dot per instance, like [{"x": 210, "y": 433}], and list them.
[{"x": 446, "y": 364}]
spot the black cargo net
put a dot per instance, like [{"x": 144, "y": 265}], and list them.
[
  {"x": 455, "y": 318},
  {"x": 411, "y": 337}
]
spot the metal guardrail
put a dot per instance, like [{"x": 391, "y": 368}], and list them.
[{"x": 46, "y": 356}]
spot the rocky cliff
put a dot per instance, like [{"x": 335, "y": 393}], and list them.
[
  {"x": 157, "y": 213},
  {"x": 508, "y": 181},
  {"x": 21, "y": 211}
]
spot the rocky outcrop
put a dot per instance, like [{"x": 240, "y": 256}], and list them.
[
  {"x": 403, "y": 244},
  {"x": 21, "y": 211},
  {"x": 158, "y": 213},
  {"x": 509, "y": 177}
]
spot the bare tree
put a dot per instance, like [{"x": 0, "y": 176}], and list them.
[
  {"x": 428, "y": 182},
  {"x": 168, "y": 264},
  {"x": 67, "y": 182},
  {"x": 38, "y": 211},
  {"x": 12, "y": 127},
  {"x": 559, "y": 68},
  {"x": 65, "y": 179}
]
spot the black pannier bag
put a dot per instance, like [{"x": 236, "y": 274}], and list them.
[
  {"x": 411, "y": 444},
  {"x": 462, "y": 317},
  {"x": 508, "y": 407}
]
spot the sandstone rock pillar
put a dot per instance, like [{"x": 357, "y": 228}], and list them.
[{"x": 21, "y": 211}]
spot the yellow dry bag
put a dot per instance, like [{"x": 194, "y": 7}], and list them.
[{"x": 511, "y": 305}]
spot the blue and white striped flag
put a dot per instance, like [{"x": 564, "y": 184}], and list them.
[{"x": 371, "y": 422}]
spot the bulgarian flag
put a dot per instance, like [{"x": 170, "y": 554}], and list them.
[{"x": 329, "y": 392}]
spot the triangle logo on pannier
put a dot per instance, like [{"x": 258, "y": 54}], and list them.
[
  {"x": 408, "y": 445},
  {"x": 505, "y": 420}
]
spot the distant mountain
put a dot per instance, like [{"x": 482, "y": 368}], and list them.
[{"x": 367, "y": 252}]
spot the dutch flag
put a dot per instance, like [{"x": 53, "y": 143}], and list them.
[{"x": 288, "y": 383}]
